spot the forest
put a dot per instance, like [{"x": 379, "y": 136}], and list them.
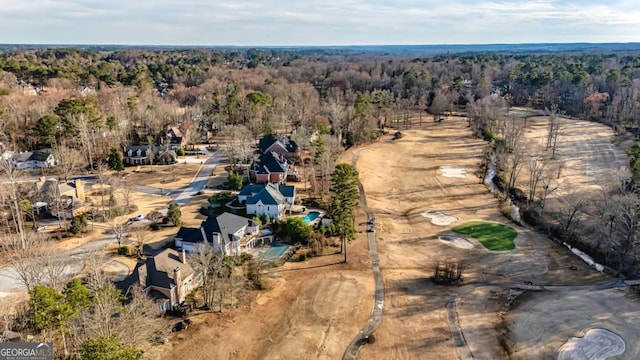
[{"x": 93, "y": 101}]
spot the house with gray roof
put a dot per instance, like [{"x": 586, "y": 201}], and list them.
[
  {"x": 270, "y": 167},
  {"x": 226, "y": 233},
  {"x": 33, "y": 159},
  {"x": 284, "y": 146},
  {"x": 168, "y": 277},
  {"x": 136, "y": 155},
  {"x": 272, "y": 199}
]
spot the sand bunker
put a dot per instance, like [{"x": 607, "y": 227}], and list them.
[
  {"x": 456, "y": 241},
  {"x": 439, "y": 218},
  {"x": 453, "y": 172},
  {"x": 597, "y": 344}
]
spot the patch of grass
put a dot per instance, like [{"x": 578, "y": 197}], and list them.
[{"x": 495, "y": 237}]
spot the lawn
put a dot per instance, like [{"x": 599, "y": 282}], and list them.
[{"x": 493, "y": 236}]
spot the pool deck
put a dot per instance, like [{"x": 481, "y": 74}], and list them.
[
  {"x": 316, "y": 220},
  {"x": 283, "y": 256}
]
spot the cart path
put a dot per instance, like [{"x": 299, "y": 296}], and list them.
[
  {"x": 462, "y": 347},
  {"x": 376, "y": 316}
]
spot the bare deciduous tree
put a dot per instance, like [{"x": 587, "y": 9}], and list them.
[
  {"x": 535, "y": 165},
  {"x": 10, "y": 177},
  {"x": 22, "y": 262},
  {"x": 556, "y": 125},
  {"x": 237, "y": 143},
  {"x": 206, "y": 261},
  {"x": 68, "y": 160},
  {"x": 570, "y": 211}
]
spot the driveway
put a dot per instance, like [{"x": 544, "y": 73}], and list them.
[
  {"x": 9, "y": 283},
  {"x": 77, "y": 257},
  {"x": 184, "y": 194}
]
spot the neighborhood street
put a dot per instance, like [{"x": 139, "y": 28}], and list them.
[{"x": 9, "y": 283}]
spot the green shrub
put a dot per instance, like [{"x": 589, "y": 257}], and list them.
[
  {"x": 303, "y": 257},
  {"x": 124, "y": 250},
  {"x": 78, "y": 224},
  {"x": 234, "y": 181},
  {"x": 180, "y": 152},
  {"x": 265, "y": 219},
  {"x": 488, "y": 135}
]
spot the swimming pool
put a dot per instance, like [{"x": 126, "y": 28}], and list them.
[
  {"x": 274, "y": 251},
  {"x": 312, "y": 215}
]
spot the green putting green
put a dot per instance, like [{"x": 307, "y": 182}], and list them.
[{"x": 495, "y": 237}]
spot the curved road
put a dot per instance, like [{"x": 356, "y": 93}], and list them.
[
  {"x": 376, "y": 315},
  {"x": 9, "y": 282}
]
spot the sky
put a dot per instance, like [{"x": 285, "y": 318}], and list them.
[{"x": 317, "y": 22}]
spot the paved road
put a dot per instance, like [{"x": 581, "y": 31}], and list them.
[
  {"x": 8, "y": 280},
  {"x": 378, "y": 306},
  {"x": 182, "y": 195}
]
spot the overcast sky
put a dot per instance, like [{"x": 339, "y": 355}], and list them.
[{"x": 316, "y": 22}]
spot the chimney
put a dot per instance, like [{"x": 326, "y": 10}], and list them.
[
  {"x": 183, "y": 257},
  {"x": 178, "y": 280}
]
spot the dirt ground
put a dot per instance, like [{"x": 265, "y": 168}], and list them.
[
  {"x": 587, "y": 155},
  {"x": 311, "y": 311},
  {"x": 164, "y": 176},
  {"x": 415, "y": 320},
  {"x": 314, "y": 309}
]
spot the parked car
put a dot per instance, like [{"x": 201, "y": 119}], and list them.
[
  {"x": 40, "y": 228},
  {"x": 139, "y": 217}
]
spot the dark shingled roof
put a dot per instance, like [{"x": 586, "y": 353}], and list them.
[
  {"x": 189, "y": 234},
  {"x": 251, "y": 189},
  {"x": 269, "y": 162},
  {"x": 269, "y": 195},
  {"x": 143, "y": 150},
  {"x": 160, "y": 269},
  {"x": 227, "y": 221},
  {"x": 265, "y": 142},
  {"x": 287, "y": 190},
  {"x": 41, "y": 155}
]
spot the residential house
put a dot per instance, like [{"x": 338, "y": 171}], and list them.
[
  {"x": 272, "y": 167},
  {"x": 284, "y": 147},
  {"x": 168, "y": 278},
  {"x": 62, "y": 199},
  {"x": 227, "y": 233},
  {"x": 272, "y": 199},
  {"x": 136, "y": 155},
  {"x": 174, "y": 138},
  {"x": 33, "y": 159},
  {"x": 165, "y": 156}
]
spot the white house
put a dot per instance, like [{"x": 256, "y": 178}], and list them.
[
  {"x": 271, "y": 199},
  {"x": 33, "y": 159},
  {"x": 227, "y": 233}
]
